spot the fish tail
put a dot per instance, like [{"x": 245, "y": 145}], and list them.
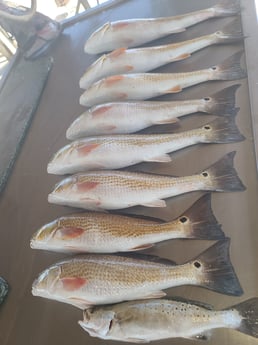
[
  {"x": 201, "y": 222},
  {"x": 227, "y": 8},
  {"x": 249, "y": 312},
  {"x": 222, "y": 103},
  {"x": 229, "y": 69},
  {"x": 222, "y": 176},
  {"x": 230, "y": 33},
  {"x": 216, "y": 270},
  {"x": 221, "y": 130}
]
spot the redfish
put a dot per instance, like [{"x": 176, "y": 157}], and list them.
[
  {"x": 102, "y": 279},
  {"x": 95, "y": 232},
  {"x": 141, "y": 86},
  {"x": 135, "y": 32},
  {"x": 113, "y": 189},
  {"x": 119, "y": 151},
  {"x": 138, "y": 60},
  {"x": 130, "y": 117}
]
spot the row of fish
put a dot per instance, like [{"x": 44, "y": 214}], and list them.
[{"x": 103, "y": 141}]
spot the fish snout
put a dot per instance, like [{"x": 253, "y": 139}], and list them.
[{"x": 43, "y": 235}]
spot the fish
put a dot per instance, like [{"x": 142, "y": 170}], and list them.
[
  {"x": 130, "y": 117},
  {"x": 3, "y": 289},
  {"x": 114, "y": 189},
  {"x": 138, "y": 31},
  {"x": 119, "y": 151},
  {"x": 138, "y": 60},
  {"x": 148, "y": 320},
  {"x": 141, "y": 86},
  {"x": 93, "y": 279},
  {"x": 95, "y": 232}
]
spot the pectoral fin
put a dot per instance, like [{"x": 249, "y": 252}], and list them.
[
  {"x": 155, "y": 203},
  {"x": 162, "y": 158},
  {"x": 117, "y": 53},
  {"x": 73, "y": 283},
  {"x": 181, "y": 57},
  {"x": 129, "y": 68},
  {"x": 174, "y": 89}
]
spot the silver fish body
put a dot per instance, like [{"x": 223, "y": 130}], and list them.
[
  {"x": 130, "y": 117},
  {"x": 134, "y": 32},
  {"x": 98, "y": 190},
  {"x": 145, "y": 321},
  {"x": 141, "y": 86},
  {"x": 102, "y": 279},
  {"x": 119, "y": 151},
  {"x": 127, "y": 61}
]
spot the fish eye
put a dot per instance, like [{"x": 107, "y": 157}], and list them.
[
  {"x": 207, "y": 99},
  {"x": 183, "y": 219},
  {"x": 197, "y": 264}
]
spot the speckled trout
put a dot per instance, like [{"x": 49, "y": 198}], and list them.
[
  {"x": 145, "y": 321},
  {"x": 95, "y": 232},
  {"x": 141, "y": 86},
  {"x": 112, "y": 189},
  {"x": 102, "y": 279},
  {"x": 119, "y": 151},
  {"x": 130, "y": 117},
  {"x": 138, "y": 60},
  {"x": 134, "y": 32}
]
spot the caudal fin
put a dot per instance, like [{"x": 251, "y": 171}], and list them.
[
  {"x": 216, "y": 271},
  {"x": 227, "y": 8},
  {"x": 222, "y": 177},
  {"x": 229, "y": 69},
  {"x": 249, "y": 312},
  {"x": 230, "y": 33},
  {"x": 200, "y": 222},
  {"x": 221, "y": 130},
  {"x": 222, "y": 103}
]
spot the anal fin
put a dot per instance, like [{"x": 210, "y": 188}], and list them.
[
  {"x": 165, "y": 121},
  {"x": 155, "y": 203},
  {"x": 202, "y": 336},
  {"x": 142, "y": 247},
  {"x": 155, "y": 294},
  {"x": 162, "y": 158}
]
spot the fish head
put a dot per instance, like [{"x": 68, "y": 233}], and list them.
[
  {"x": 61, "y": 159},
  {"x": 64, "y": 190},
  {"x": 97, "y": 321},
  {"x": 78, "y": 125},
  {"x": 44, "y": 235},
  {"x": 47, "y": 283},
  {"x": 94, "y": 44}
]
